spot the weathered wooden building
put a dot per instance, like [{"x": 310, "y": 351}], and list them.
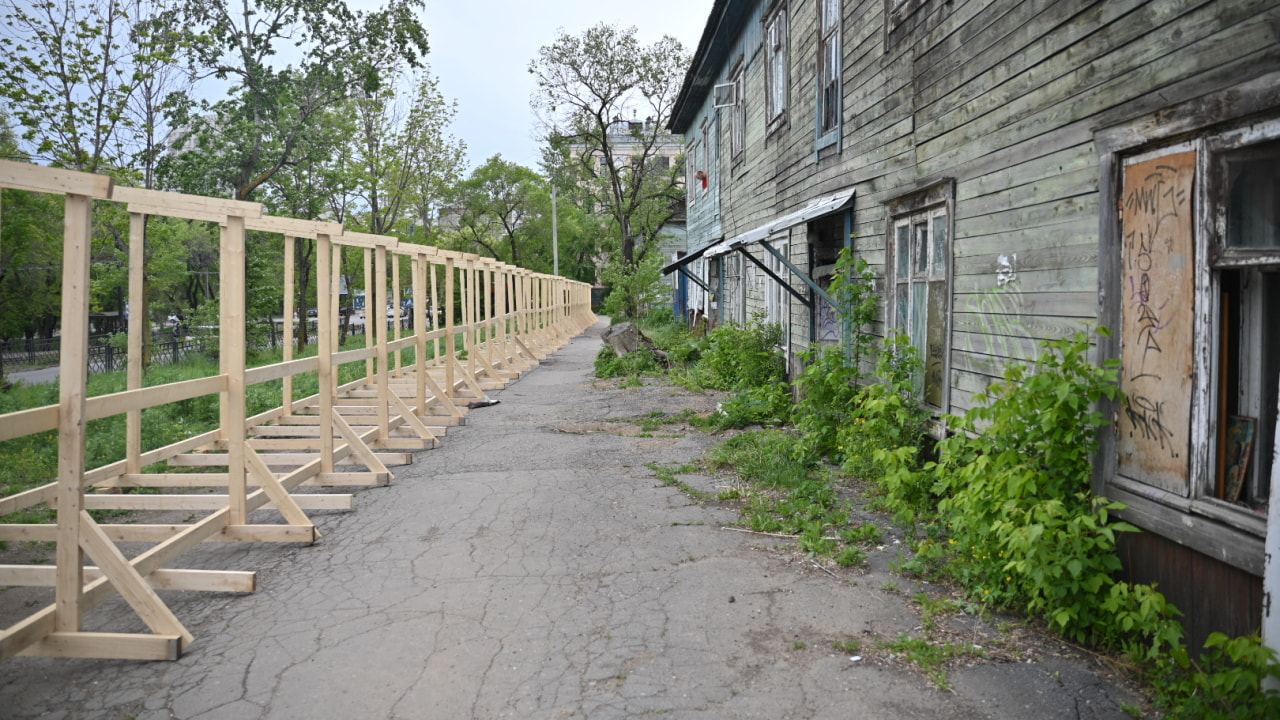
[{"x": 1018, "y": 170}]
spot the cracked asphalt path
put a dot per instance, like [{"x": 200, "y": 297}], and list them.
[{"x": 529, "y": 568}]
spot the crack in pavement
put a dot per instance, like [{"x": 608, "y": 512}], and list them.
[{"x": 519, "y": 571}]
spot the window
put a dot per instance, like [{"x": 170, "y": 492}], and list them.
[
  {"x": 737, "y": 117},
  {"x": 829, "y": 59},
  {"x": 920, "y": 294},
  {"x": 691, "y": 170},
  {"x": 1246, "y": 280},
  {"x": 777, "y": 299},
  {"x": 704, "y": 186},
  {"x": 1199, "y": 301},
  {"x": 777, "y": 79}
]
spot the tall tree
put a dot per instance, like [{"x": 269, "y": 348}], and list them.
[
  {"x": 258, "y": 131},
  {"x": 30, "y": 252},
  {"x": 593, "y": 90},
  {"x": 494, "y": 206},
  {"x": 401, "y": 158},
  {"x": 504, "y": 211},
  {"x": 67, "y": 72}
]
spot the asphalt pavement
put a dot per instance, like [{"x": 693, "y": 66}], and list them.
[{"x": 534, "y": 567}]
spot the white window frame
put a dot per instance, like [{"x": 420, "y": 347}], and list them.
[
  {"x": 691, "y": 172},
  {"x": 737, "y": 117},
  {"x": 1250, "y": 264},
  {"x": 918, "y": 258},
  {"x": 777, "y": 72},
  {"x": 827, "y": 118}
]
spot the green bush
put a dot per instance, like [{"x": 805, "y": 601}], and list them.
[
  {"x": 738, "y": 357},
  {"x": 1226, "y": 684},
  {"x": 1024, "y": 525},
  {"x": 634, "y": 288},
  {"x": 828, "y": 390},
  {"x": 887, "y": 414}
]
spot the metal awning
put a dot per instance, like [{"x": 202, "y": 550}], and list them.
[
  {"x": 681, "y": 262},
  {"x": 814, "y": 209}
]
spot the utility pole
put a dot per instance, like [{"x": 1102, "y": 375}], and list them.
[{"x": 555, "y": 234}]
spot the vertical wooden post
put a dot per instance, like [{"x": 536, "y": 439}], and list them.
[
  {"x": 325, "y": 348},
  {"x": 336, "y": 287},
  {"x": 231, "y": 354},
  {"x": 500, "y": 299},
  {"x": 396, "y": 296},
  {"x": 420, "y": 266},
  {"x": 139, "y": 325},
  {"x": 73, "y": 380},
  {"x": 450, "y": 347},
  {"x": 489, "y": 330},
  {"x": 371, "y": 312},
  {"x": 287, "y": 394},
  {"x": 383, "y": 377},
  {"x": 435, "y": 314},
  {"x": 465, "y": 273}
]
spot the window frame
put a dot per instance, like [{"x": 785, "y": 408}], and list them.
[
  {"x": 777, "y": 46},
  {"x": 691, "y": 171},
  {"x": 1229, "y": 533},
  {"x": 738, "y": 115},
  {"x": 924, "y": 207},
  {"x": 829, "y": 78},
  {"x": 1215, "y": 151}
]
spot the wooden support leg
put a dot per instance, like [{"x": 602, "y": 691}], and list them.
[{"x": 129, "y": 583}]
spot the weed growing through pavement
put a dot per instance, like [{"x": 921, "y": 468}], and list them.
[{"x": 930, "y": 657}]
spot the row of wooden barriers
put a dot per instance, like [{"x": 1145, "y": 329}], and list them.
[{"x": 344, "y": 436}]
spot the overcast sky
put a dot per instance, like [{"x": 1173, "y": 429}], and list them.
[{"x": 480, "y": 52}]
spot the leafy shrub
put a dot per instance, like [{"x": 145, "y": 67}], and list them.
[
  {"x": 738, "y": 357},
  {"x": 887, "y": 415},
  {"x": 828, "y": 392},
  {"x": 634, "y": 288},
  {"x": 1227, "y": 683}
]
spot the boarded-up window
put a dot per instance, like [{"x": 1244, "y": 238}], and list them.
[{"x": 1158, "y": 313}]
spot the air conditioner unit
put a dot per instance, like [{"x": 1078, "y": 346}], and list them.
[{"x": 726, "y": 94}]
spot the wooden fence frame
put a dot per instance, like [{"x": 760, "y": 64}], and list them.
[{"x": 511, "y": 319}]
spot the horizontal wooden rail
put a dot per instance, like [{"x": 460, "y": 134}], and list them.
[{"x": 496, "y": 321}]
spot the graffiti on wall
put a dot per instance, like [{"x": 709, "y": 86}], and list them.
[{"x": 1156, "y": 338}]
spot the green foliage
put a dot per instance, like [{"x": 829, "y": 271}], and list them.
[
  {"x": 65, "y": 70},
  {"x": 768, "y": 405},
  {"x": 587, "y": 84},
  {"x": 634, "y": 288},
  {"x": 1024, "y": 527},
  {"x": 853, "y": 289},
  {"x": 887, "y": 414},
  {"x": 641, "y": 362},
  {"x": 762, "y": 457},
  {"x": 738, "y": 357},
  {"x": 1226, "y": 684},
  {"x": 1139, "y": 621},
  {"x": 828, "y": 390}
]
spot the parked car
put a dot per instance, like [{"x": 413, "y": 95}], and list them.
[{"x": 313, "y": 312}]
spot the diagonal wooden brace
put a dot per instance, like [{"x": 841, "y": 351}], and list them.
[{"x": 128, "y": 582}]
